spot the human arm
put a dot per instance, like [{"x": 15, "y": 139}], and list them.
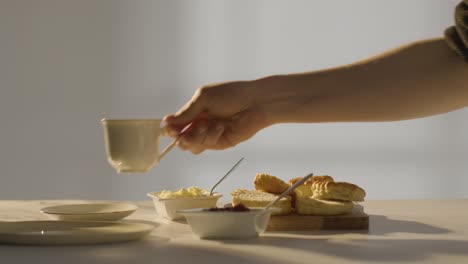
[{"x": 417, "y": 80}]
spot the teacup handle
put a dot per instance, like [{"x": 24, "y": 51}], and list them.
[
  {"x": 168, "y": 148},
  {"x": 173, "y": 143}
]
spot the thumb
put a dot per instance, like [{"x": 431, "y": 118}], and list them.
[{"x": 188, "y": 112}]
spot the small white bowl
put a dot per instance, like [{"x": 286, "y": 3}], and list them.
[
  {"x": 90, "y": 212},
  {"x": 227, "y": 224},
  {"x": 168, "y": 208}
]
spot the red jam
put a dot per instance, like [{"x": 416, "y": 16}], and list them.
[{"x": 229, "y": 208}]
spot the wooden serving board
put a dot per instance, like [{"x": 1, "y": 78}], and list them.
[{"x": 357, "y": 220}]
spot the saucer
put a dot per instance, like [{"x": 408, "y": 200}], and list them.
[
  {"x": 90, "y": 212},
  {"x": 54, "y": 232}
]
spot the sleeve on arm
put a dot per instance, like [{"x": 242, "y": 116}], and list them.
[{"x": 457, "y": 36}]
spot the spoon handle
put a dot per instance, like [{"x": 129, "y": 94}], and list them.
[
  {"x": 224, "y": 177},
  {"x": 290, "y": 189}
]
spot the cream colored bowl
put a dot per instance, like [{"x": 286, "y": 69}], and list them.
[
  {"x": 228, "y": 225},
  {"x": 90, "y": 212},
  {"x": 168, "y": 208}
]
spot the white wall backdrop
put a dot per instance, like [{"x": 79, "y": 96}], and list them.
[{"x": 66, "y": 64}]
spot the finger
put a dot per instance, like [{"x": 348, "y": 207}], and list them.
[
  {"x": 169, "y": 131},
  {"x": 213, "y": 134},
  {"x": 182, "y": 144},
  {"x": 196, "y": 136},
  {"x": 176, "y": 130},
  {"x": 189, "y": 111},
  {"x": 197, "y": 151}
]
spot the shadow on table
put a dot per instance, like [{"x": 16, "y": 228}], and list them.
[
  {"x": 372, "y": 250},
  {"x": 150, "y": 250},
  {"x": 382, "y": 225},
  {"x": 155, "y": 249}
]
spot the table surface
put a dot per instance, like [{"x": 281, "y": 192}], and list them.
[{"x": 401, "y": 231}]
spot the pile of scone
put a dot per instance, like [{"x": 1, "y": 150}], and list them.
[{"x": 319, "y": 195}]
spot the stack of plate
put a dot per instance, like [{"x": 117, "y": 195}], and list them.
[{"x": 77, "y": 224}]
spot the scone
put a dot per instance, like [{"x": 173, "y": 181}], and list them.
[
  {"x": 328, "y": 190},
  {"x": 254, "y": 198},
  {"x": 305, "y": 190},
  {"x": 312, "y": 206},
  {"x": 312, "y": 179},
  {"x": 270, "y": 183}
]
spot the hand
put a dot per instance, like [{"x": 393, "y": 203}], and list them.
[{"x": 217, "y": 117}]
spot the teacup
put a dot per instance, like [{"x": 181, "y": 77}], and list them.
[{"x": 132, "y": 145}]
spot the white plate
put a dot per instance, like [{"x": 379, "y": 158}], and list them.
[
  {"x": 70, "y": 232},
  {"x": 90, "y": 212}
]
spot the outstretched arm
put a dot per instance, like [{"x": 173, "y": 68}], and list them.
[{"x": 421, "y": 79}]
